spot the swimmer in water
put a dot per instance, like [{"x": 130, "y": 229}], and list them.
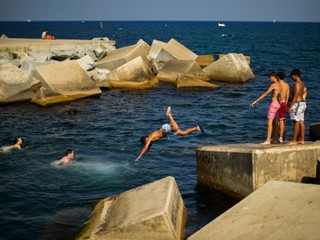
[
  {"x": 16, "y": 144},
  {"x": 164, "y": 131},
  {"x": 67, "y": 159}
]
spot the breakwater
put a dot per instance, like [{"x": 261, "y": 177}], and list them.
[{"x": 105, "y": 132}]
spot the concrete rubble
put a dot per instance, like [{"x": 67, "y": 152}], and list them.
[
  {"x": 152, "y": 211},
  {"x": 138, "y": 66}
]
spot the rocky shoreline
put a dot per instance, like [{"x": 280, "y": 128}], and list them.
[{"x": 46, "y": 72}]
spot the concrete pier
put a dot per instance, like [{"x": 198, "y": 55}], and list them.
[
  {"x": 277, "y": 211},
  {"x": 37, "y": 45},
  {"x": 153, "y": 211},
  {"x": 240, "y": 169}
]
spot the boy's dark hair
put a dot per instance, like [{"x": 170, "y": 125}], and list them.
[
  {"x": 272, "y": 74},
  {"x": 295, "y": 72},
  {"x": 143, "y": 140},
  {"x": 16, "y": 140},
  {"x": 281, "y": 75},
  {"x": 69, "y": 151}
]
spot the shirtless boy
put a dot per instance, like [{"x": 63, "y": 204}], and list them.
[
  {"x": 297, "y": 107},
  {"x": 164, "y": 131},
  {"x": 284, "y": 97},
  {"x": 274, "y": 106},
  {"x": 66, "y": 160}
]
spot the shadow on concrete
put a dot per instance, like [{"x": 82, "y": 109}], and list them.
[{"x": 313, "y": 180}]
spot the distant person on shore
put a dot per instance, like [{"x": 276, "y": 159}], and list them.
[
  {"x": 16, "y": 144},
  {"x": 167, "y": 129},
  {"x": 45, "y": 35},
  {"x": 274, "y": 106},
  {"x": 297, "y": 107},
  {"x": 284, "y": 97},
  {"x": 67, "y": 159}
]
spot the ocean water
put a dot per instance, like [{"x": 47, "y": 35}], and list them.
[{"x": 41, "y": 201}]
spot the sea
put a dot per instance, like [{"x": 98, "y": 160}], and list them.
[{"x": 41, "y": 201}]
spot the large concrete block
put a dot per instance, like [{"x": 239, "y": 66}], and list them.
[
  {"x": 231, "y": 68},
  {"x": 315, "y": 132},
  {"x": 185, "y": 81},
  {"x": 135, "y": 74},
  {"x": 63, "y": 81},
  {"x": 248, "y": 58},
  {"x": 174, "y": 68},
  {"x": 16, "y": 85},
  {"x": 156, "y": 47},
  {"x": 152, "y": 211},
  {"x": 277, "y": 211},
  {"x": 118, "y": 57},
  {"x": 240, "y": 169},
  {"x": 175, "y": 50},
  {"x": 145, "y": 45},
  {"x": 205, "y": 60}
]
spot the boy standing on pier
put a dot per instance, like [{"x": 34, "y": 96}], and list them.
[
  {"x": 297, "y": 107},
  {"x": 274, "y": 106},
  {"x": 284, "y": 97}
]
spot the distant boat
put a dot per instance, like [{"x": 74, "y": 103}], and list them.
[
  {"x": 28, "y": 20},
  {"x": 101, "y": 24},
  {"x": 221, "y": 24},
  {"x": 274, "y": 21}
]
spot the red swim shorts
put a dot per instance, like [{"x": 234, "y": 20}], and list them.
[{"x": 282, "y": 111}]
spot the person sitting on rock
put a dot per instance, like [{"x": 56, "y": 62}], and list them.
[
  {"x": 45, "y": 35},
  {"x": 67, "y": 159},
  {"x": 164, "y": 131}
]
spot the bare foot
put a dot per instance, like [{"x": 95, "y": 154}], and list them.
[
  {"x": 265, "y": 143},
  {"x": 301, "y": 142},
  {"x": 292, "y": 143},
  {"x": 168, "y": 111}
]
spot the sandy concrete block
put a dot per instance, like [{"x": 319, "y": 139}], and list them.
[
  {"x": 5, "y": 55},
  {"x": 156, "y": 47},
  {"x": 248, "y": 58},
  {"x": 174, "y": 68},
  {"x": 315, "y": 131},
  {"x": 145, "y": 45},
  {"x": 278, "y": 210},
  {"x": 185, "y": 81},
  {"x": 86, "y": 63},
  {"x": 175, "y": 50},
  {"x": 152, "y": 211},
  {"x": 134, "y": 74},
  {"x": 63, "y": 81},
  {"x": 240, "y": 169},
  {"x": 120, "y": 56},
  {"x": 231, "y": 68},
  {"x": 205, "y": 60},
  {"x": 16, "y": 85}
]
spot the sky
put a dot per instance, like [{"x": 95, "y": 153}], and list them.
[{"x": 180, "y": 10}]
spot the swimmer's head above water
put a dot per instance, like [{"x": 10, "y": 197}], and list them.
[{"x": 17, "y": 142}]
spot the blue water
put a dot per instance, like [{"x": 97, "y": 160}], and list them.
[{"x": 41, "y": 201}]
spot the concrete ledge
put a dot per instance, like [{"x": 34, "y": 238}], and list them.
[
  {"x": 240, "y": 169},
  {"x": 152, "y": 211},
  {"x": 278, "y": 210},
  {"x": 28, "y": 44}
]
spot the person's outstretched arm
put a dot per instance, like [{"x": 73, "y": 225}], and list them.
[
  {"x": 271, "y": 88},
  {"x": 145, "y": 149}
]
